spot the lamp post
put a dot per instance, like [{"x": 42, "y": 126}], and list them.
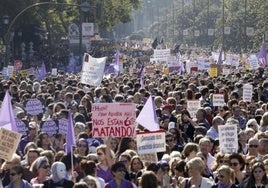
[
  {"x": 223, "y": 24},
  {"x": 84, "y": 7},
  {"x": 6, "y": 20},
  {"x": 5, "y": 24}
]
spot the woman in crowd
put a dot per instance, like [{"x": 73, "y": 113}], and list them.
[
  {"x": 148, "y": 180},
  {"x": 16, "y": 181},
  {"x": 124, "y": 144},
  {"x": 187, "y": 125},
  {"x": 82, "y": 149},
  {"x": 106, "y": 159},
  {"x": 189, "y": 151},
  {"x": 237, "y": 163},
  {"x": 195, "y": 168},
  {"x": 257, "y": 178},
  {"x": 225, "y": 177},
  {"x": 43, "y": 141},
  {"x": 136, "y": 166},
  {"x": 119, "y": 171},
  {"x": 91, "y": 181},
  {"x": 40, "y": 169}
]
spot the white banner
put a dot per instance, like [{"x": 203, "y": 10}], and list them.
[
  {"x": 253, "y": 61},
  {"x": 247, "y": 92},
  {"x": 228, "y": 138},
  {"x": 87, "y": 29},
  {"x": 92, "y": 70},
  {"x": 192, "y": 107},
  {"x": 151, "y": 142},
  {"x": 161, "y": 55},
  {"x": 218, "y": 100}
]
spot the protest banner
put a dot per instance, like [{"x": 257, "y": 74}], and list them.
[
  {"x": 54, "y": 71},
  {"x": 151, "y": 142},
  {"x": 214, "y": 70},
  {"x": 113, "y": 119},
  {"x": 161, "y": 55},
  {"x": 92, "y": 70},
  {"x": 218, "y": 100},
  {"x": 34, "y": 106},
  {"x": 63, "y": 126},
  {"x": 149, "y": 158},
  {"x": 22, "y": 126},
  {"x": 228, "y": 138},
  {"x": 192, "y": 107},
  {"x": 247, "y": 92},
  {"x": 8, "y": 143},
  {"x": 50, "y": 127}
]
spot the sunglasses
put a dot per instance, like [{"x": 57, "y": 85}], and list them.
[
  {"x": 233, "y": 164},
  {"x": 223, "y": 161},
  {"x": 253, "y": 146},
  {"x": 220, "y": 176},
  {"x": 45, "y": 167},
  {"x": 121, "y": 170},
  {"x": 81, "y": 145},
  {"x": 13, "y": 174}
]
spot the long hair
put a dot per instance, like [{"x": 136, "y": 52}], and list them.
[{"x": 251, "y": 181}]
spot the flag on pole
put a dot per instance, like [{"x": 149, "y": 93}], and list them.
[
  {"x": 219, "y": 62},
  {"x": 42, "y": 72},
  {"x": 116, "y": 61},
  {"x": 147, "y": 117},
  {"x": 70, "y": 139},
  {"x": 263, "y": 55},
  {"x": 7, "y": 119},
  {"x": 142, "y": 68},
  {"x": 155, "y": 43}
]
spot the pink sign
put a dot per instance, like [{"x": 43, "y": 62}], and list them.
[{"x": 113, "y": 119}]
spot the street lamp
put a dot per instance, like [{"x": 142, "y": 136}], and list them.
[{"x": 5, "y": 20}]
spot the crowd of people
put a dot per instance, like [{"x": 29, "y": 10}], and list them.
[{"x": 192, "y": 157}]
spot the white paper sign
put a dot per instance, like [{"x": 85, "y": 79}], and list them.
[
  {"x": 9, "y": 141},
  {"x": 162, "y": 55},
  {"x": 92, "y": 70},
  {"x": 247, "y": 92},
  {"x": 218, "y": 100},
  {"x": 228, "y": 138},
  {"x": 151, "y": 142},
  {"x": 192, "y": 107}
]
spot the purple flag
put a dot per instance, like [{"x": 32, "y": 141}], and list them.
[
  {"x": 263, "y": 55},
  {"x": 147, "y": 117},
  {"x": 219, "y": 62},
  {"x": 42, "y": 72},
  {"x": 116, "y": 61},
  {"x": 70, "y": 139},
  {"x": 7, "y": 119}
]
